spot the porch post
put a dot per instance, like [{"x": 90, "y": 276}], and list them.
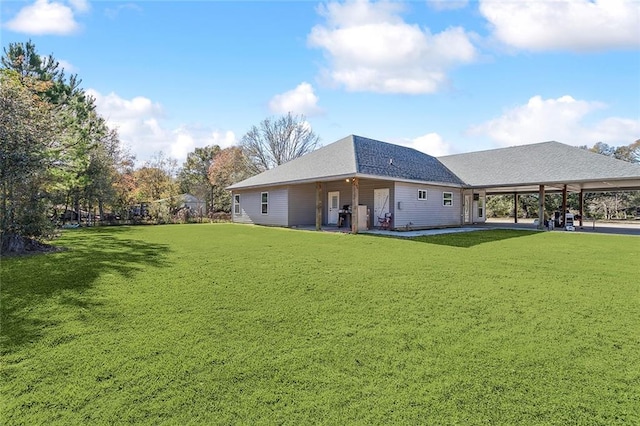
[
  {"x": 564, "y": 204},
  {"x": 318, "y": 206},
  {"x": 355, "y": 201},
  {"x": 515, "y": 207},
  {"x": 581, "y": 203},
  {"x": 541, "y": 207}
]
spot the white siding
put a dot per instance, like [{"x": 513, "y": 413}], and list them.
[
  {"x": 365, "y": 196},
  {"x": 345, "y": 196},
  {"x": 295, "y": 205},
  {"x": 302, "y": 205},
  {"x": 251, "y": 207},
  {"x": 429, "y": 213}
]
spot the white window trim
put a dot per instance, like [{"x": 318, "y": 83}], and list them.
[
  {"x": 262, "y": 203},
  {"x": 449, "y": 199},
  {"x": 420, "y": 192},
  {"x": 236, "y": 205}
]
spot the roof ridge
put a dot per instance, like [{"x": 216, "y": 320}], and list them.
[{"x": 505, "y": 148}]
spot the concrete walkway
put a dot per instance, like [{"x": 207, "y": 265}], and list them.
[
  {"x": 420, "y": 233},
  {"x": 624, "y": 228},
  {"x": 615, "y": 228}
]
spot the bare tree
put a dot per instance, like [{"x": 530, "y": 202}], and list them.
[{"x": 278, "y": 140}]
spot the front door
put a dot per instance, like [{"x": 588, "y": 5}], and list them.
[
  {"x": 380, "y": 202},
  {"x": 467, "y": 208},
  {"x": 334, "y": 207}
]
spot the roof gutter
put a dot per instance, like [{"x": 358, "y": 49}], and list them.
[{"x": 343, "y": 177}]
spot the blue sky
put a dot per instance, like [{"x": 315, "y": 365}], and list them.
[{"x": 440, "y": 76}]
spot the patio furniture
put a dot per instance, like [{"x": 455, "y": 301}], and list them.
[{"x": 385, "y": 222}]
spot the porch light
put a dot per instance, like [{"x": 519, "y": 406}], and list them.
[{"x": 347, "y": 180}]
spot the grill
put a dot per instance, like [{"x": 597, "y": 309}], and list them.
[{"x": 344, "y": 216}]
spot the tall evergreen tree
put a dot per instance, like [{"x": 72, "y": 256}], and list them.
[
  {"x": 27, "y": 129},
  {"x": 50, "y": 123}
]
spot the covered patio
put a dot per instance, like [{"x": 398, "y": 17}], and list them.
[{"x": 544, "y": 168}]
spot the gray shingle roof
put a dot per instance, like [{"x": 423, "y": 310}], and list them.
[
  {"x": 523, "y": 167},
  {"x": 540, "y": 163},
  {"x": 329, "y": 162},
  {"x": 354, "y": 156},
  {"x": 387, "y": 160}
]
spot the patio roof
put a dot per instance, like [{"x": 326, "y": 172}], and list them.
[{"x": 523, "y": 168}]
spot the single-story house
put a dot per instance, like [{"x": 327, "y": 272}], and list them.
[
  {"x": 372, "y": 183},
  {"x": 192, "y": 203}
]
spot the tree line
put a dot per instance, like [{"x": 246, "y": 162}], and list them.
[
  {"x": 598, "y": 205},
  {"x": 61, "y": 162}
]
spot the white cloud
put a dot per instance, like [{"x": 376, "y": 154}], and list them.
[
  {"x": 66, "y": 66},
  {"x": 45, "y": 17},
  {"x": 115, "y": 12},
  {"x": 431, "y": 143},
  {"x": 223, "y": 139},
  {"x": 300, "y": 100},
  {"x": 187, "y": 138},
  {"x": 371, "y": 48},
  {"x": 142, "y": 127},
  {"x": 80, "y": 5},
  {"x": 563, "y": 120},
  {"x": 447, "y": 4},
  {"x": 578, "y": 25},
  {"x": 182, "y": 145}
]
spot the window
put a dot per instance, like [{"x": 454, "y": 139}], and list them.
[
  {"x": 265, "y": 202},
  {"x": 480, "y": 207},
  {"x": 422, "y": 194},
  {"x": 447, "y": 198},
  {"x": 236, "y": 204}
]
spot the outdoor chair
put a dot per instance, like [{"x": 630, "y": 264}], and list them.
[{"x": 385, "y": 222}]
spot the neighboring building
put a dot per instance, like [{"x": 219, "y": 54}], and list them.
[
  {"x": 193, "y": 203},
  {"x": 415, "y": 190},
  {"x": 184, "y": 201}
]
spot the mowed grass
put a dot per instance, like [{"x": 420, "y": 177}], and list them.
[{"x": 233, "y": 324}]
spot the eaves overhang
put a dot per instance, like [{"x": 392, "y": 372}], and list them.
[
  {"x": 413, "y": 181},
  {"x": 343, "y": 177},
  {"x": 595, "y": 185},
  {"x": 292, "y": 182}
]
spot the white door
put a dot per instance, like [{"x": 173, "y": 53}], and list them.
[
  {"x": 467, "y": 208},
  {"x": 380, "y": 203},
  {"x": 334, "y": 207}
]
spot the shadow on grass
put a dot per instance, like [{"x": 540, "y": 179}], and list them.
[
  {"x": 31, "y": 283},
  {"x": 472, "y": 238},
  {"x": 464, "y": 239}
]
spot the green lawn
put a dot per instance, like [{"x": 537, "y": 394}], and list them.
[{"x": 233, "y": 324}]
